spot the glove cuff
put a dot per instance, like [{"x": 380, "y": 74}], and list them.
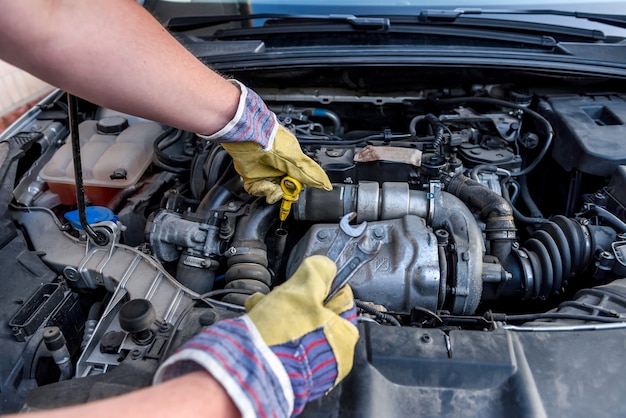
[
  {"x": 253, "y": 121},
  {"x": 311, "y": 364},
  {"x": 235, "y": 354}
]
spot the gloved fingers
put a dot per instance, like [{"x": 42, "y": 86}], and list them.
[
  {"x": 342, "y": 302},
  {"x": 253, "y": 300},
  {"x": 310, "y": 174},
  {"x": 312, "y": 278},
  {"x": 255, "y": 165},
  {"x": 295, "y": 163},
  {"x": 309, "y": 285},
  {"x": 272, "y": 191},
  {"x": 295, "y": 308}
]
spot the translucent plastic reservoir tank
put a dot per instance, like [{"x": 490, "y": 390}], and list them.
[{"x": 114, "y": 156}]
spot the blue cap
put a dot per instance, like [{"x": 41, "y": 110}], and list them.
[{"x": 94, "y": 214}]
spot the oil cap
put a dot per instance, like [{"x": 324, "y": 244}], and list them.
[{"x": 94, "y": 215}]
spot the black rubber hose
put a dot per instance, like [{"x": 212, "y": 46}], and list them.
[
  {"x": 494, "y": 209},
  {"x": 608, "y": 217},
  {"x": 256, "y": 225},
  {"x": 555, "y": 252},
  {"x": 220, "y": 193},
  {"x": 171, "y": 160},
  {"x": 519, "y": 216},
  {"x": 574, "y": 237},
  {"x": 528, "y": 200}
]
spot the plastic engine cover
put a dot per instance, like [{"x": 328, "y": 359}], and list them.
[{"x": 589, "y": 132}]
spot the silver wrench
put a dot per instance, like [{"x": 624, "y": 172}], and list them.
[
  {"x": 363, "y": 251},
  {"x": 345, "y": 234}
]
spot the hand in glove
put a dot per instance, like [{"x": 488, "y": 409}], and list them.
[
  {"x": 263, "y": 151},
  {"x": 289, "y": 349}
]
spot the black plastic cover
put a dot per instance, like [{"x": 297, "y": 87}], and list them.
[
  {"x": 589, "y": 132},
  {"x": 398, "y": 372}
]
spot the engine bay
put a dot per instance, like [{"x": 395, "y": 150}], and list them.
[{"x": 489, "y": 205}]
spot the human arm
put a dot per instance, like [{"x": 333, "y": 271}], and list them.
[
  {"x": 196, "y": 394},
  {"x": 115, "y": 54}
]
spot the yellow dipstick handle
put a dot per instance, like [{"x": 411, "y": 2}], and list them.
[{"x": 291, "y": 189}]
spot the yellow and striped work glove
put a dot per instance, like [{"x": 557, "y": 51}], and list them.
[
  {"x": 263, "y": 151},
  {"x": 290, "y": 348}
]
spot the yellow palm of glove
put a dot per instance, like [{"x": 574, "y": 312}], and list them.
[
  {"x": 296, "y": 308},
  {"x": 262, "y": 170}
]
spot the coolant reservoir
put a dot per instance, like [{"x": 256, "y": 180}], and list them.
[{"x": 114, "y": 156}]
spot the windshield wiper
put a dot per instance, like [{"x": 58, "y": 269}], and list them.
[
  {"x": 435, "y": 15},
  {"x": 469, "y": 18},
  {"x": 387, "y": 24},
  {"x": 369, "y": 24}
]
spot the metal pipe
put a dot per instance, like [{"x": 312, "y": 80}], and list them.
[{"x": 395, "y": 200}]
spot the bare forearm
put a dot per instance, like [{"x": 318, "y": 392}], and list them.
[
  {"x": 193, "y": 395},
  {"x": 112, "y": 52}
]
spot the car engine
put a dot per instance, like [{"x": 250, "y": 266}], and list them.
[{"x": 486, "y": 203}]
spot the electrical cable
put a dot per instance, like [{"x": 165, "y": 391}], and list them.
[
  {"x": 552, "y": 315},
  {"x": 378, "y": 314}
]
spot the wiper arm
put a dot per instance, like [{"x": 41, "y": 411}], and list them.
[
  {"x": 467, "y": 17},
  {"x": 434, "y": 15},
  {"x": 607, "y": 19},
  {"x": 369, "y": 24}
]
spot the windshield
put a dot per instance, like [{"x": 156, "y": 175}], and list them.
[{"x": 533, "y": 11}]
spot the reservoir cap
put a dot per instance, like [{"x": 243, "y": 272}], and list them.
[{"x": 94, "y": 215}]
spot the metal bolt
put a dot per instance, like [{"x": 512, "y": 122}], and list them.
[
  {"x": 378, "y": 233},
  {"x": 322, "y": 235},
  {"x": 71, "y": 274},
  {"x": 425, "y": 338}
]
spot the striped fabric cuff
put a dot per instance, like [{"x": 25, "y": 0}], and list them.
[
  {"x": 235, "y": 354},
  {"x": 253, "y": 121},
  {"x": 310, "y": 364}
]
